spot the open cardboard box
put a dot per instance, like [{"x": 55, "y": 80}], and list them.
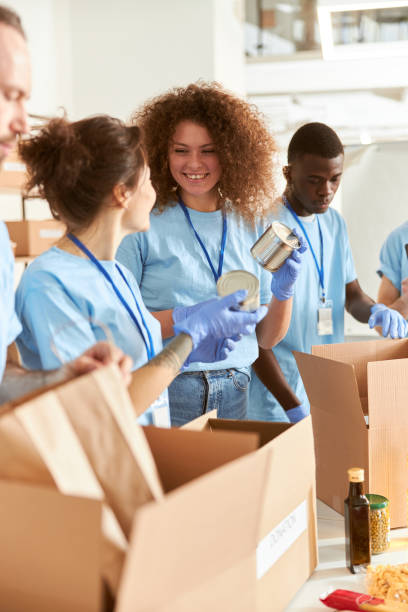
[
  {"x": 345, "y": 382},
  {"x": 236, "y": 529}
]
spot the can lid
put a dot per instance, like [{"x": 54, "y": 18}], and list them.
[
  {"x": 285, "y": 234},
  {"x": 238, "y": 279},
  {"x": 355, "y": 474},
  {"x": 377, "y": 501}
]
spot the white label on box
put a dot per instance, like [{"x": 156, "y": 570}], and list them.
[
  {"x": 280, "y": 539},
  {"x": 14, "y": 167},
  {"x": 51, "y": 233}
]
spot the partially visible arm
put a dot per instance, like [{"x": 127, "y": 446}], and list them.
[
  {"x": 270, "y": 374},
  {"x": 391, "y": 297},
  {"x": 273, "y": 328},
  {"x": 149, "y": 381},
  {"x": 358, "y": 303},
  {"x": 18, "y": 381},
  {"x": 165, "y": 319}
]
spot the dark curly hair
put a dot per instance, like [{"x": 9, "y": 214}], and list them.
[
  {"x": 75, "y": 166},
  {"x": 243, "y": 143}
]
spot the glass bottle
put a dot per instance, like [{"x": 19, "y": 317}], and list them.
[{"x": 357, "y": 523}]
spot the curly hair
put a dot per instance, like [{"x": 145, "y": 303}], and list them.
[{"x": 243, "y": 143}]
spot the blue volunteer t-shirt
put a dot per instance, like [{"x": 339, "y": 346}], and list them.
[
  {"x": 302, "y": 334},
  {"x": 9, "y": 324},
  {"x": 394, "y": 256},
  {"x": 66, "y": 305},
  {"x": 171, "y": 268}
]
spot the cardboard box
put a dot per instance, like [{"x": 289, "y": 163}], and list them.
[
  {"x": 13, "y": 173},
  {"x": 235, "y": 531},
  {"x": 34, "y": 237},
  {"x": 345, "y": 382}
]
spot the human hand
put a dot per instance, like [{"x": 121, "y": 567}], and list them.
[
  {"x": 298, "y": 413},
  {"x": 217, "y": 319},
  {"x": 212, "y": 349},
  {"x": 182, "y": 312},
  {"x": 97, "y": 356},
  {"x": 283, "y": 280},
  {"x": 390, "y": 320}
]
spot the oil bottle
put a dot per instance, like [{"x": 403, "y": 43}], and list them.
[{"x": 357, "y": 523}]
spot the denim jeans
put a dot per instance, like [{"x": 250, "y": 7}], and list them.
[{"x": 192, "y": 394}]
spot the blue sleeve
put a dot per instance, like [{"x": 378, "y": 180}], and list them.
[
  {"x": 390, "y": 260},
  {"x": 131, "y": 253},
  {"x": 54, "y": 330},
  {"x": 350, "y": 271},
  {"x": 12, "y": 326}
]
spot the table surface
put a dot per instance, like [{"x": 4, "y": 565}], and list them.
[{"x": 331, "y": 572}]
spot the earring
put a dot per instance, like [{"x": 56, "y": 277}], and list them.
[{"x": 220, "y": 193}]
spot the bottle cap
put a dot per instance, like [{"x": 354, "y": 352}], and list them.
[
  {"x": 240, "y": 279},
  {"x": 355, "y": 475},
  {"x": 377, "y": 501}
]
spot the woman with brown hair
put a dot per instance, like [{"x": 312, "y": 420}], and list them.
[
  {"x": 211, "y": 159},
  {"x": 94, "y": 175}
]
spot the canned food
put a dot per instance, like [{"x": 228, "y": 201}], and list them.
[
  {"x": 240, "y": 279},
  {"x": 274, "y": 246},
  {"x": 379, "y": 523}
]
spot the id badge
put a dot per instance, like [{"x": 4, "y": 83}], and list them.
[{"x": 325, "y": 318}]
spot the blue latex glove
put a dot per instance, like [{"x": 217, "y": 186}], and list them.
[
  {"x": 283, "y": 280},
  {"x": 390, "y": 320},
  {"x": 211, "y": 350},
  {"x": 216, "y": 319},
  {"x": 182, "y": 312},
  {"x": 297, "y": 414}
]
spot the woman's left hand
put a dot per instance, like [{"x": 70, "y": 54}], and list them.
[{"x": 283, "y": 280}]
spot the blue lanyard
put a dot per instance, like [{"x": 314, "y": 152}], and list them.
[
  {"x": 320, "y": 269},
  {"x": 149, "y": 346},
  {"x": 223, "y": 240}
]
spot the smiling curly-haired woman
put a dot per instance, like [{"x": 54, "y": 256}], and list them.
[{"x": 211, "y": 158}]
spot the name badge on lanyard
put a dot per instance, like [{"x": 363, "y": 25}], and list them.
[
  {"x": 325, "y": 318},
  {"x": 325, "y": 307}
]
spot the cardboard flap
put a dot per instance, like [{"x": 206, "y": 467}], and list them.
[
  {"x": 195, "y": 534},
  {"x": 266, "y": 431},
  {"x": 331, "y": 387},
  {"x": 360, "y": 353},
  {"x": 50, "y": 550},
  {"x": 388, "y": 434},
  {"x": 183, "y": 455},
  {"x": 200, "y": 422}
]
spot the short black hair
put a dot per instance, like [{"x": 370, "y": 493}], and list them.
[
  {"x": 316, "y": 139},
  {"x": 10, "y": 18}
]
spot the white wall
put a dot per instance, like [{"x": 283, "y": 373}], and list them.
[{"x": 129, "y": 50}]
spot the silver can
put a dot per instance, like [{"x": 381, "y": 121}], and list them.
[
  {"x": 240, "y": 279},
  {"x": 274, "y": 246}
]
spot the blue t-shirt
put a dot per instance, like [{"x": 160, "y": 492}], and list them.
[
  {"x": 9, "y": 324},
  {"x": 171, "y": 269},
  {"x": 394, "y": 256},
  {"x": 302, "y": 334},
  {"x": 66, "y": 305}
]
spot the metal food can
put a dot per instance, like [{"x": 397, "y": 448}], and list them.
[
  {"x": 274, "y": 246},
  {"x": 240, "y": 279}
]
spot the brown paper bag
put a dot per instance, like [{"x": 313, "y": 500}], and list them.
[
  {"x": 101, "y": 413},
  {"x": 39, "y": 445}
]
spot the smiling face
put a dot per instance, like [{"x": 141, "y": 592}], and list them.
[
  {"x": 312, "y": 182},
  {"x": 193, "y": 161},
  {"x": 15, "y": 86}
]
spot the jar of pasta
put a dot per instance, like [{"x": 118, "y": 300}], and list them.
[{"x": 379, "y": 523}]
